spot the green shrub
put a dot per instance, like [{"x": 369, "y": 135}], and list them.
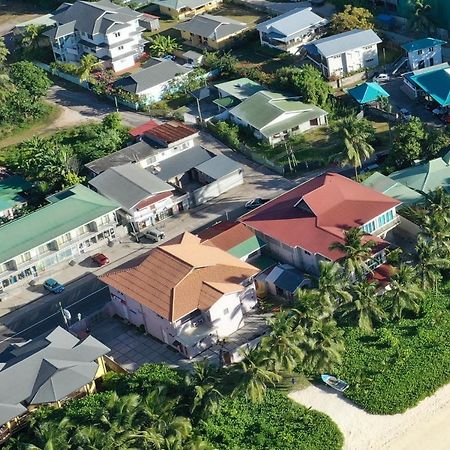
[
  {"x": 86, "y": 410},
  {"x": 403, "y": 362},
  {"x": 276, "y": 423}
]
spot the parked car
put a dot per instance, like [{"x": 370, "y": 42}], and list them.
[
  {"x": 53, "y": 286},
  {"x": 100, "y": 259},
  {"x": 438, "y": 111},
  {"x": 381, "y": 78},
  {"x": 154, "y": 235},
  {"x": 251, "y": 204},
  {"x": 405, "y": 114}
]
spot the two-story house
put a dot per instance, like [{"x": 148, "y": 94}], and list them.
[
  {"x": 185, "y": 293},
  {"x": 75, "y": 222},
  {"x": 290, "y": 31},
  {"x": 423, "y": 53},
  {"x": 344, "y": 53},
  {"x": 300, "y": 225},
  {"x": 185, "y": 9},
  {"x": 110, "y": 32}
]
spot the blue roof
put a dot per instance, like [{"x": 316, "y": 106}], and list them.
[
  {"x": 367, "y": 93},
  {"x": 436, "y": 84},
  {"x": 421, "y": 44}
]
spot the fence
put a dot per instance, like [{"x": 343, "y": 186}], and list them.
[{"x": 84, "y": 84}]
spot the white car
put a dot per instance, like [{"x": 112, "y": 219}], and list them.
[{"x": 381, "y": 78}]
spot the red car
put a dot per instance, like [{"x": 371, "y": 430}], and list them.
[{"x": 100, "y": 259}]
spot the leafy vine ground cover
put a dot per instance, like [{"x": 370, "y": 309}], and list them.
[{"x": 402, "y": 362}]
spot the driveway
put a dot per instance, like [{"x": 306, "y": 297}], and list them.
[{"x": 84, "y": 105}]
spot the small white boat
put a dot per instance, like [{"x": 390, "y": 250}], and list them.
[{"x": 335, "y": 383}]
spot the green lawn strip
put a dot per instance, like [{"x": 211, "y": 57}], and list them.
[
  {"x": 275, "y": 423},
  {"x": 16, "y": 134},
  {"x": 401, "y": 363}
]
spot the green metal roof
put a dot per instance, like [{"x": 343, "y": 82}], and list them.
[
  {"x": 367, "y": 93},
  {"x": 10, "y": 190},
  {"x": 68, "y": 210},
  {"x": 245, "y": 248},
  {"x": 226, "y": 102},
  {"x": 241, "y": 88},
  {"x": 263, "y": 262},
  {"x": 426, "y": 177},
  {"x": 394, "y": 189},
  {"x": 264, "y": 111},
  {"x": 436, "y": 84},
  {"x": 420, "y": 44}
]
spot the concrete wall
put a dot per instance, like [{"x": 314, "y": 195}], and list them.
[{"x": 218, "y": 187}]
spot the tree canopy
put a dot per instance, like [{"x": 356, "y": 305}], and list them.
[{"x": 351, "y": 18}]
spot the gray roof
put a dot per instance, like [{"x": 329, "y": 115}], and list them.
[
  {"x": 94, "y": 17},
  {"x": 343, "y": 42},
  {"x": 181, "y": 163},
  {"x": 211, "y": 27},
  {"x": 131, "y": 154},
  {"x": 60, "y": 31},
  {"x": 129, "y": 184},
  {"x": 218, "y": 167},
  {"x": 293, "y": 22},
  {"x": 180, "y": 4},
  {"x": 46, "y": 370},
  {"x": 158, "y": 73},
  {"x": 286, "y": 277}
]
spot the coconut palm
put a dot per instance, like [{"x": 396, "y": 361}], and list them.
[
  {"x": 88, "y": 64},
  {"x": 50, "y": 436},
  {"x": 255, "y": 376},
  {"x": 438, "y": 201},
  {"x": 420, "y": 20},
  {"x": 356, "y": 253},
  {"x": 404, "y": 293},
  {"x": 282, "y": 343},
  {"x": 435, "y": 227},
  {"x": 356, "y": 135},
  {"x": 202, "y": 382},
  {"x": 429, "y": 263},
  {"x": 323, "y": 346},
  {"x": 163, "y": 45},
  {"x": 31, "y": 36},
  {"x": 365, "y": 305},
  {"x": 332, "y": 285}
]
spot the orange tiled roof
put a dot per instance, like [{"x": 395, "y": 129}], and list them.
[
  {"x": 170, "y": 132},
  {"x": 178, "y": 278}
]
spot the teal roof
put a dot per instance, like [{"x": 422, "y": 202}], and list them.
[
  {"x": 250, "y": 245},
  {"x": 10, "y": 190},
  {"x": 436, "y": 84},
  {"x": 426, "y": 177},
  {"x": 68, "y": 210},
  {"x": 264, "y": 111},
  {"x": 420, "y": 44},
  {"x": 394, "y": 189},
  {"x": 367, "y": 93}
]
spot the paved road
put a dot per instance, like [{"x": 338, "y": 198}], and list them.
[{"x": 88, "y": 106}]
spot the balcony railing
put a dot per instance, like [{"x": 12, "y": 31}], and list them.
[{"x": 387, "y": 226}]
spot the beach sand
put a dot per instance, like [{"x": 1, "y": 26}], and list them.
[{"x": 421, "y": 428}]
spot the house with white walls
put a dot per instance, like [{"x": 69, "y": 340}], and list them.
[
  {"x": 108, "y": 31},
  {"x": 185, "y": 293},
  {"x": 342, "y": 54},
  {"x": 423, "y": 53},
  {"x": 291, "y": 30}
]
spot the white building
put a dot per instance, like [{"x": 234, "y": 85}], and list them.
[
  {"x": 110, "y": 32},
  {"x": 75, "y": 222},
  {"x": 345, "y": 53},
  {"x": 423, "y": 53},
  {"x": 290, "y": 31},
  {"x": 187, "y": 294}
]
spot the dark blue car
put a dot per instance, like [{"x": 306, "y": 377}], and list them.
[{"x": 53, "y": 286}]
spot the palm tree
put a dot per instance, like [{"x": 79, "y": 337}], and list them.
[
  {"x": 332, "y": 286},
  {"x": 255, "y": 376},
  {"x": 31, "y": 36},
  {"x": 282, "y": 344},
  {"x": 429, "y": 263},
  {"x": 356, "y": 135},
  {"x": 50, "y": 436},
  {"x": 420, "y": 20},
  {"x": 438, "y": 201},
  {"x": 356, "y": 253},
  {"x": 435, "y": 227},
  {"x": 323, "y": 346},
  {"x": 365, "y": 305},
  {"x": 163, "y": 45},
  {"x": 404, "y": 293},
  {"x": 88, "y": 64},
  {"x": 202, "y": 383}
]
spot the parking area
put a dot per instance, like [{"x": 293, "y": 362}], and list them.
[{"x": 131, "y": 348}]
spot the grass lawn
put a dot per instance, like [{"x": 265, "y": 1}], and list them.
[
  {"x": 241, "y": 14},
  {"x": 28, "y": 130},
  {"x": 400, "y": 363}
]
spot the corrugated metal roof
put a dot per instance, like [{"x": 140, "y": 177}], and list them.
[
  {"x": 218, "y": 167},
  {"x": 343, "y": 42},
  {"x": 367, "y": 93},
  {"x": 241, "y": 88},
  {"x": 420, "y": 44}
]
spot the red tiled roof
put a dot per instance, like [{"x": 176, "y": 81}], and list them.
[
  {"x": 178, "y": 278},
  {"x": 170, "y": 132},
  {"x": 216, "y": 229},
  {"x": 154, "y": 199},
  {"x": 316, "y": 213},
  {"x": 227, "y": 235},
  {"x": 382, "y": 274},
  {"x": 142, "y": 129}
]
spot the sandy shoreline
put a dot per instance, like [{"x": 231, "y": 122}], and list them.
[{"x": 422, "y": 427}]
